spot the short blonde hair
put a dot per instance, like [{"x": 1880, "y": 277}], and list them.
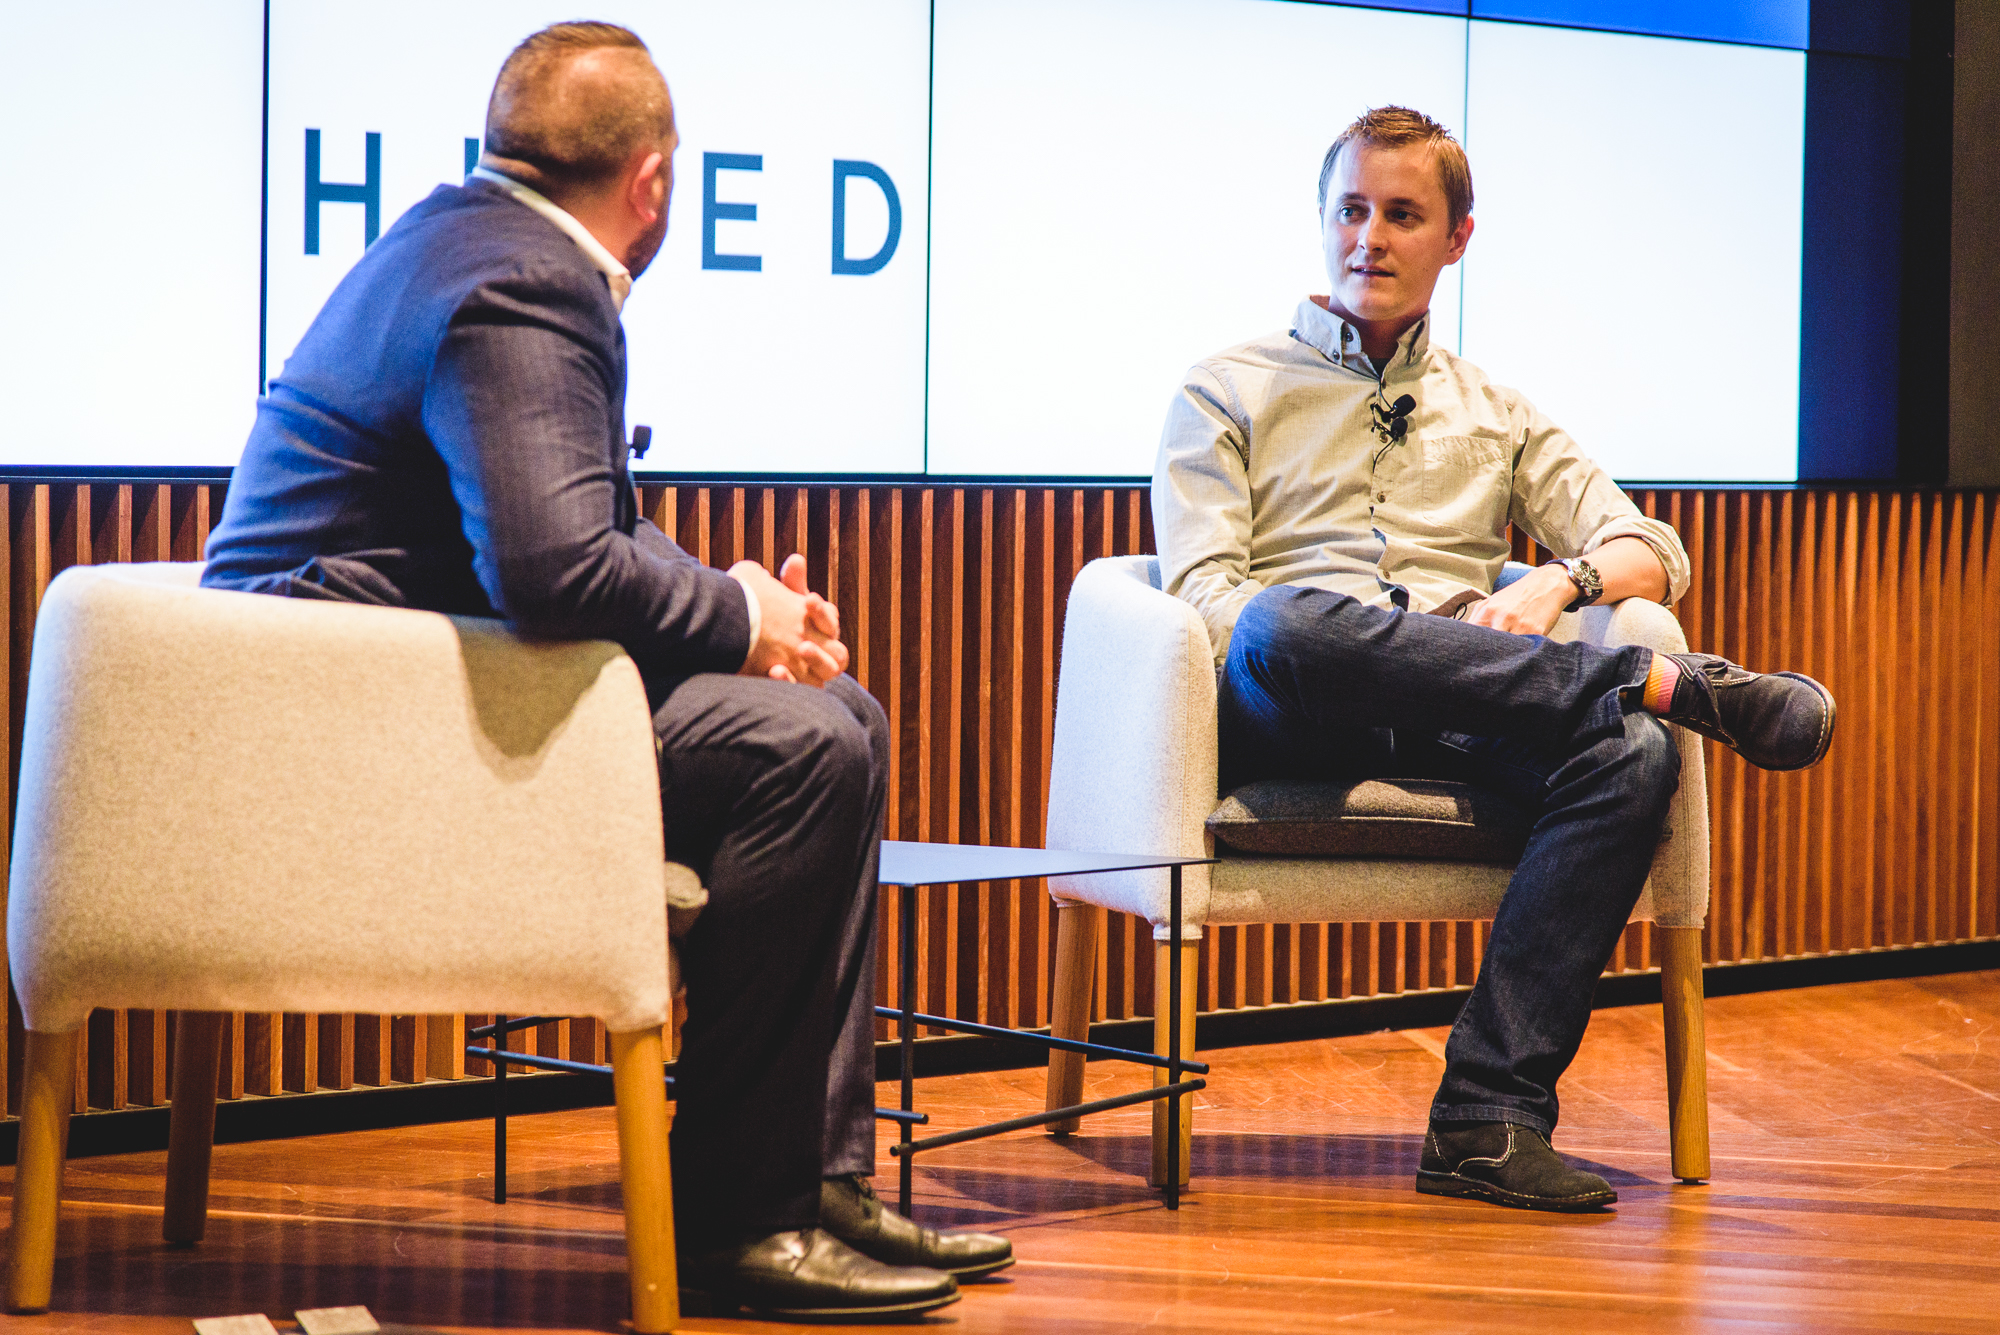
[
  {"x": 575, "y": 133},
  {"x": 1398, "y": 127}
]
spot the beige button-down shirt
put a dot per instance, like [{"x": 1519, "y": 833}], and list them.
[{"x": 1272, "y": 471}]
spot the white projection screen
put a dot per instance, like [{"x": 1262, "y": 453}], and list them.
[
  {"x": 785, "y": 368},
  {"x": 1046, "y": 210},
  {"x": 1635, "y": 266},
  {"x": 1121, "y": 198},
  {"x": 128, "y": 300}
]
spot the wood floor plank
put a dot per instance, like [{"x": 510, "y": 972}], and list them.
[{"x": 1856, "y": 1189}]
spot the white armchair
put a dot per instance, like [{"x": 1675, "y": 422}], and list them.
[
  {"x": 234, "y": 802},
  {"x": 1134, "y": 768}
]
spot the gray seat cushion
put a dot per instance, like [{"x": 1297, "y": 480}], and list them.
[{"x": 1374, "y": 818}]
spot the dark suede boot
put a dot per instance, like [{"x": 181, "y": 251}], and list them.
[
  {"x": 1508, "y": 1165},
  {"x": 1774, "y": 720}
]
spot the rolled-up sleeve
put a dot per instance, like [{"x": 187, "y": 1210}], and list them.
[
  {"x": 1571, "y": 506},
  {"x": 1201, "y": 505}
]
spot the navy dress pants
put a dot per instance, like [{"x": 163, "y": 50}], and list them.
[
  {"x": 1318, "y": 685},
  {"x": 774, "y": 794}
]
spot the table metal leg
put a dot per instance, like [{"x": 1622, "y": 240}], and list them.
[
  {"x": 906, "y": 1028},
  {"x": 1174, "y": 1038},
  {"x": 499, "y": 1112}
]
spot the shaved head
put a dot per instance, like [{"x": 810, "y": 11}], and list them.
[{"x": 574, "y": 103}]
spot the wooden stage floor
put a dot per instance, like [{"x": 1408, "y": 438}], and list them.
[{"x": 1857, "y": 1154}]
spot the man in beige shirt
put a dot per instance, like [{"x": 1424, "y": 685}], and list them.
[{"x": 1318, "y": 492}]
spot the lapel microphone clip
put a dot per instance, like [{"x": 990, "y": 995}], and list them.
[{"x": 1392, "y": 423}]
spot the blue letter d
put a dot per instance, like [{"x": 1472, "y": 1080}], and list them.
[{"x": 842, "y": 169}]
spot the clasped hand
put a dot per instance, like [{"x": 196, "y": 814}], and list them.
[
  {"x": 798, "y": 636},
  {"x": 1528, "y": 606}
]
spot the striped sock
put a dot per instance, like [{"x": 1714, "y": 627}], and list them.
[{"x": 1658, "y": 693}]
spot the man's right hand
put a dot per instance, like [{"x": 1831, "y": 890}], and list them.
[{"x": 798, "y": 638}]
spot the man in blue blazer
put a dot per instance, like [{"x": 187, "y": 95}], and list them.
[{"x": 450, "y": 435}]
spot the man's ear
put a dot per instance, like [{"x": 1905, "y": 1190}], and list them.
[
  {"x": 1461, "y": 236},
  {"x": 645, "y": 193}
]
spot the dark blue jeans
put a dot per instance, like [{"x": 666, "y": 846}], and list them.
[{"x": 1321, "y": 686}]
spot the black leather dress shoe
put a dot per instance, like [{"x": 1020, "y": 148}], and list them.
[
  {"x": 1508, "y": 1165},
  {"x": 1774, "y": 720},
  {"x": 850, "y": 1210},
  {"x": 810, "y": 1274}
]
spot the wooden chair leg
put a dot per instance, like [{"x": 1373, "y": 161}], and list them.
[
  {"x": 640, "y": 1088},
  {"x": 1077, "y": 926},
  {"x": 1190, "y": 957},
  {"x": 191, "y": 1125},
  {"x": 48, "y": 1085},
  {"x": 1687, "y": 1052}
]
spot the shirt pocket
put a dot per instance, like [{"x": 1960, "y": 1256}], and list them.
[{"x": 1468, "y": 482}]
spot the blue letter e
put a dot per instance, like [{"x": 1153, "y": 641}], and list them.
[
  {"x": 842, "y": 169},
  {"x": 713, "y": 212}
]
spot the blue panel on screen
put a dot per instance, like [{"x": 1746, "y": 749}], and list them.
[
  {"x": 1759, "y": 22},
  {"x": 1454, "y": 8}
]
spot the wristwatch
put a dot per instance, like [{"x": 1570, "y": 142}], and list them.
[{"x": 1589, "y": 584}]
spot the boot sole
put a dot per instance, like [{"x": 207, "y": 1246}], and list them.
[
  {"x": 1452, "y": 1184},
  {"x": 697, "y": 1302}
]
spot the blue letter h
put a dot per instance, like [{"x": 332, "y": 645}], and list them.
[{"x": 368, "y": 194}]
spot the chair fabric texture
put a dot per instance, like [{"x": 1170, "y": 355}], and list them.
[
  {"x": 1374, "y": 818},
  {"x": 235, "y": 802},
  {"x": 1135, "y": 769}
]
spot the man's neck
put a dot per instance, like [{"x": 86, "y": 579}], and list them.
[
  {"x": 598, "y": 212},
  {"x": 604, "y": 221},
  {"x": 616, "y": 276},
  {"x": 1378, "y": 337}
]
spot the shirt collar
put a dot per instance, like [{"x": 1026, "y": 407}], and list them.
[
  {"x": 1340, "y": 342},
  {"x": 616, "y": 276}
]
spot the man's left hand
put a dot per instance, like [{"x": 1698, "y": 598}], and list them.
[{"x": 1528, "y": 606}]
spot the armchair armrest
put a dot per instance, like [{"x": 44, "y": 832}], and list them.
[{"x": 1133, "y": 768}]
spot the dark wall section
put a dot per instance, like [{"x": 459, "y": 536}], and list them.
[
  {"x": 1851, "y": 299},
  {"x": 1877, "y": 340},
  {"x": 1974, "y": 318},
  {"x": 1861, "y": 27},
  {"x": 1923, "y": 415}
]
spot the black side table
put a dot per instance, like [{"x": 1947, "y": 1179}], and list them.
[{"x": 910, "y": 865}]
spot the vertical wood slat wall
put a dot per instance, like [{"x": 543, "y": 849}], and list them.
[{"x": 953, "y": 598}]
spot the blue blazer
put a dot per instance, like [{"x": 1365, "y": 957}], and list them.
[{"x": 450, "y": 435}]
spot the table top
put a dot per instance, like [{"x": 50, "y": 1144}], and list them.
[{"x": 905, "y": 863}]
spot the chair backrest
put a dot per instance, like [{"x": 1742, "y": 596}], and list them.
[
  {"x": 239, "y": 802},
  {"x": 1134, "y": 757}
]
